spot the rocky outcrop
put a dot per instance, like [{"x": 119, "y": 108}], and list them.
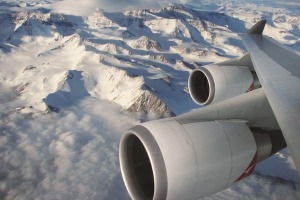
[
  {"x": 145, "y": 43},
  {"x": 147, "y": 102}
]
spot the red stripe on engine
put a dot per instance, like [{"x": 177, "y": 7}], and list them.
[
  {"x": 249, "y": 169},
  {"x": 251, "y": 87}
]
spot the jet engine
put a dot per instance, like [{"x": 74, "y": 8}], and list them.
[
  {"x": 166, "y": 159},
  {"x": 208, "y": 149},
  {"x": 215, "y": 83}
]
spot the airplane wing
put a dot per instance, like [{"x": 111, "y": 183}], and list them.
[{"x": 278, "y": 70}]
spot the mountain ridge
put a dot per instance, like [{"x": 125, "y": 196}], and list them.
[{"x": 155, "y": 44}]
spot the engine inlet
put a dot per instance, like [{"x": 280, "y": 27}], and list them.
[
  {"x": 201, "y": 86},
  {"x": 142, "y": 165}
]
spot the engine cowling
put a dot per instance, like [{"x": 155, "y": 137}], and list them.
[
  {"x": 167, "y": 160},
  {"x": 215, "y": 83}
]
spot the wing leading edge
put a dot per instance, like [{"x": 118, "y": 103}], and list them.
[{"x": 278, "y": 69}]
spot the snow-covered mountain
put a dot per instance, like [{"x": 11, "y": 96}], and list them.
[
  {"x": 138, "y": 59},
  {"x": 55, "y": 69}
]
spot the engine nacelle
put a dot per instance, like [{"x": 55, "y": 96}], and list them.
[
  {"x": 215, "y": 83},
  {"x": 167, "y": 160}
]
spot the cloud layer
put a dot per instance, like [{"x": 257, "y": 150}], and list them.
[
  {"x": 67, "y": 155},
  {"x": 86, "y": 7}
]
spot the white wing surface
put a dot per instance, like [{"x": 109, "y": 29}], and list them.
[{"x": 278, "y": 69}]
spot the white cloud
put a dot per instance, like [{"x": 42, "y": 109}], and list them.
[
  {"x": 67, "y": 155},
  {"x": 81, "y": 8},
  {"x": 86, "y": 7}
]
